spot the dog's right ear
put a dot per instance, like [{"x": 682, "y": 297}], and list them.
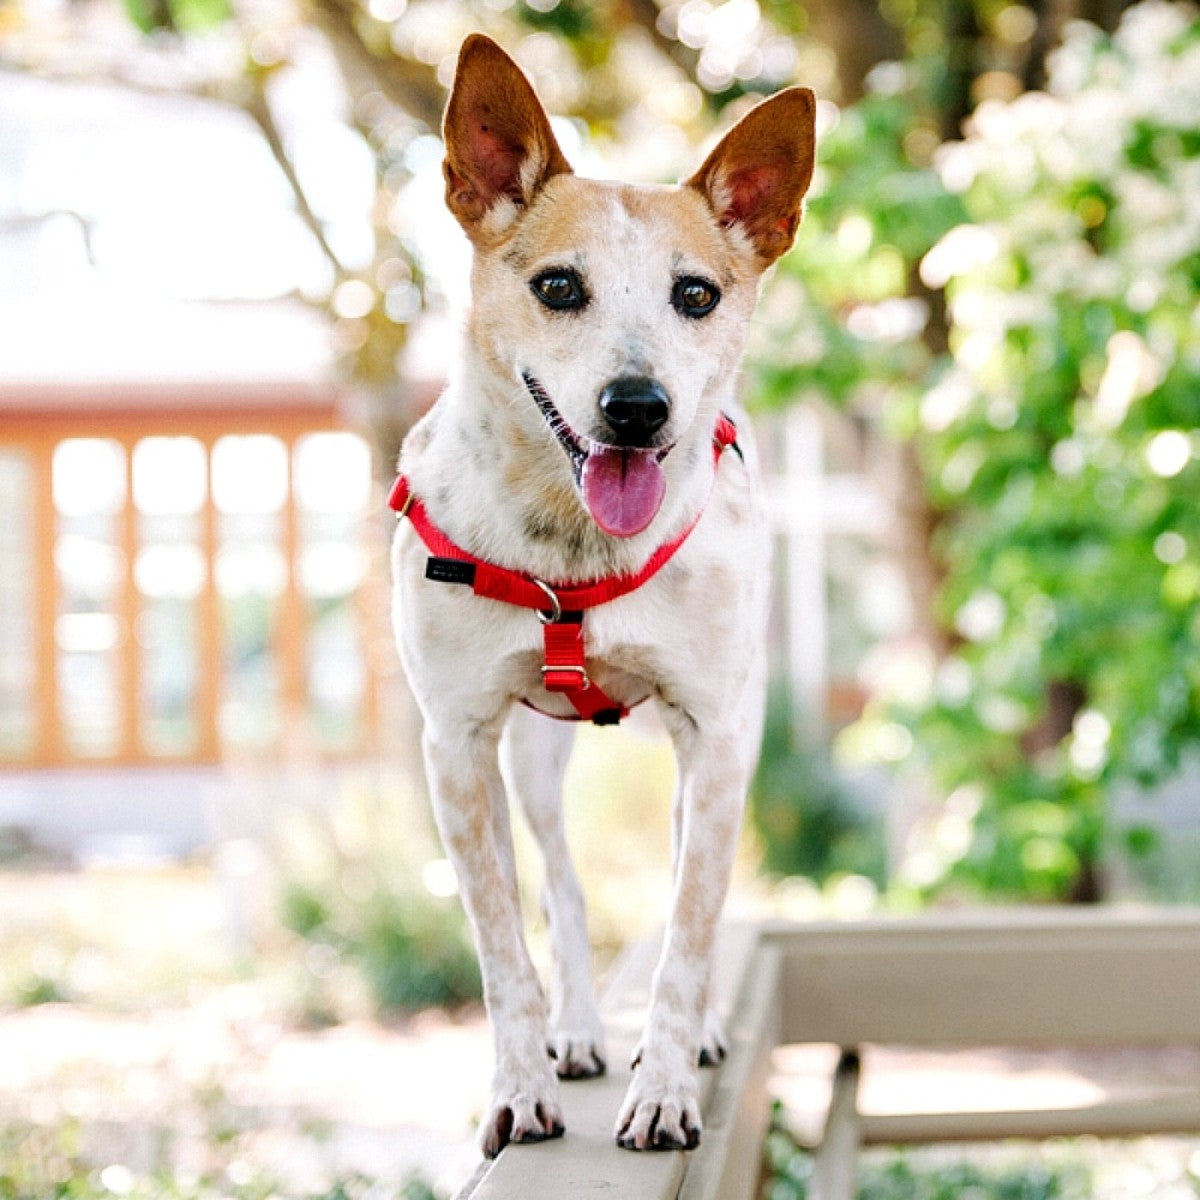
[{"x": 500, "y": 148}]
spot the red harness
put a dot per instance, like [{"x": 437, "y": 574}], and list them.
[{"x": 560, "y": 608}]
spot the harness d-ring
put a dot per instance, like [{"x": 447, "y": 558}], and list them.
[{"x": 555, "y": 614}]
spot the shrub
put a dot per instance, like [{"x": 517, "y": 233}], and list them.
[
  {"x": 1055, "y": 410},
  {"x": 806, "y": 820},
  {"x": 355, "y": 885}
]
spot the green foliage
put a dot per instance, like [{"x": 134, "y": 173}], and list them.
[
  {"x": 1056, "y": 411},
  {"x": 1062, "y": 442},
  {"x": 177, "y": 16},
  {"x": 569, "y": 19},
  {"x": 895, "y": 1175},
  {"x": 840, "y": 319},
  {"x": 415, "y": 953},
  {"x": 1087, "y": 1169},
  {"x": 353, "y": 886},
  {"x": 411, "y": 948},
  {"x": 806, "y": 823},
  {"x": 40, "y": 988}
]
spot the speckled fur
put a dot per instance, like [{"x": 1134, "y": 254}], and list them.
[{"x": 496, "y": 481}]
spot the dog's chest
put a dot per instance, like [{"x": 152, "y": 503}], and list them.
[{"x": 669, "y": 638}]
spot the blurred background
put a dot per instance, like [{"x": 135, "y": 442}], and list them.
[{"x": 227, "y": 288}]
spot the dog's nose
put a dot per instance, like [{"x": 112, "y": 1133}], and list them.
[{"x": 636, "y": 408}]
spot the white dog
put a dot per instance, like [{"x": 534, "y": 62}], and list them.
[{"x": 584, "y": 532}]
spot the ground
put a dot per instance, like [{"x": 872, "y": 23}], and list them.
[{"x": 221, "y": 1085}]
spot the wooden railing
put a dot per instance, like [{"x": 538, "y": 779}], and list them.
[{"x": 1016, "y": 978}]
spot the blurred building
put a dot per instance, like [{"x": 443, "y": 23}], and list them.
[
  {"x": 182, "y": 563},
  {"x": 185, "y": 530}
]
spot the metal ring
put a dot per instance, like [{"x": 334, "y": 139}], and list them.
[{"x": 555, "y": 613}]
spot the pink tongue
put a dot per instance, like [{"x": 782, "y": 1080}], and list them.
[{"x": 623, "y": 489}]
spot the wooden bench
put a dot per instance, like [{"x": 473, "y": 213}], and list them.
[{"x": 1095, "y": 978}]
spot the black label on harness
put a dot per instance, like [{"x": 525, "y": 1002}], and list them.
[{"x": 450, "y": 570}]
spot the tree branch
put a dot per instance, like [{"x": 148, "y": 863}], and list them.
[
  {"x": 245, "y": 95},
  {"x": 256, "y": 107},
  {"x": 646, "y": 15},
  {"x": 411, "y": 86}
]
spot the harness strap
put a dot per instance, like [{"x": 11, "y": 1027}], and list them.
[
  {"x": 560, "y": 607},
  {"x": 564, "y": 673}
]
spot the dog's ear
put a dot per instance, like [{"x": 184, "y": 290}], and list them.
[
  {"x": 756, "y": 177},
  {"x": 499, "y": 144}
]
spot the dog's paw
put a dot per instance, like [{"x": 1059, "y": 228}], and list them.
[
  {"x": 578, "y": 1055},
  {"x": 714, "y": 1045},
  {"x": 525, "y": 1115},
  {"x": 662, "y": 1116}
]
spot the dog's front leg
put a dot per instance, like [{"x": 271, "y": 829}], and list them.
[
  {"x": 533, "y": 756},
  {"x": 464, "y": 777},
  {"x": 661, "y": 1108}
]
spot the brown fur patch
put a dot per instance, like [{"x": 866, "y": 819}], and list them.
[
  {"x": 499, "y": 144},
  {"x": 560, "y": 226},
  {"x": 756, "y": 177}
]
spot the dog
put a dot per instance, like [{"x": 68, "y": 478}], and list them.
[{"x": 583, "y": 533}]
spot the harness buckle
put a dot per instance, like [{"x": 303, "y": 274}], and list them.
[
  {"x": 555, "y": 613},
  {"x": 584, "y": 681}
]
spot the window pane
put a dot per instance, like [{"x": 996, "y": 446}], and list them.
[
  {"x": 17, "y": 652},
  {"x": 170, "y": 572},
  {"x": 249, "y": 474},
  {"x": 169, "y": 475},
  {"x": 333, "y": 473},
  {"x": 88, "y": 476},
  {"x": 333, "y": 482},
  {"x": 168, "y": 636},
  {"x": 250, "y": 481}
]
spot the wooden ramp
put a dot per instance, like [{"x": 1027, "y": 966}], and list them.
[{"x": 1050, "y": 978}]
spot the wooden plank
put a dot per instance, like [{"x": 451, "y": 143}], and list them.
[
  {"x": 1178, "y": 1113},
  {"x": 587, "y": 1161},
  {"x": 1101, "y": 977},
  {"x": 835, "y": 1163},
  {"x": 1000, "y": 977},
  {"x": 727, "y": 1165}
]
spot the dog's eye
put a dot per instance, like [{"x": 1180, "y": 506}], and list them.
[
  {"x": 561, "y": 290},
  {"x": 694, "y": 297}
]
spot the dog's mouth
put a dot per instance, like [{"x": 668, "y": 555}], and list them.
[{"x": 622, "y": 486}]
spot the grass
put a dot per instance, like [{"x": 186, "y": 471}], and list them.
[
  {"x": 1075, "y": 1169},
  {"x": 38, "y": 1163}
]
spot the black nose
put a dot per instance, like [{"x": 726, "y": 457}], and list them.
[{"x": 636, "y": 408}]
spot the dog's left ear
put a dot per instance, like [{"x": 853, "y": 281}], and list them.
[
  {"x": 499, "y": 144},
  {"x": 756, "y": 177}
]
